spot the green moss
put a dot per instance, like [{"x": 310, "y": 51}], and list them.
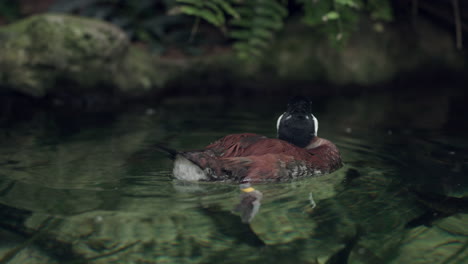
[{"x": 41, "y": 50}]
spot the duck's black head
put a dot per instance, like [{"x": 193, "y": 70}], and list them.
[{"x": 298, "y": 125}]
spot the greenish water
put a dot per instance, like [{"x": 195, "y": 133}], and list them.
[{"x": 96, "y": 184}]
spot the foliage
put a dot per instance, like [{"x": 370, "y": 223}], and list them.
[
  {"x": 212, "y": 11},
  {"x": 9, "y": 10},
  {"x": 255, "y": 29},
  {"x": 148, "y": 21},
  {"x": 253, "y": 23},
  {"x": 250, "y": 24},
  {"x": 339, "y": 18}
]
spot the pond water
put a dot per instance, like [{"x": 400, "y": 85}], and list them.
[{"x": 91, "y": 187}]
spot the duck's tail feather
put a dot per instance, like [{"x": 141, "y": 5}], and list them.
[{"x": 172, "y": 153}]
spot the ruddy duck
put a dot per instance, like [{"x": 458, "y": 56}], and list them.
[{"x": 250, "y": 158}]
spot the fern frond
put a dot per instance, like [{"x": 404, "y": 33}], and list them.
[
  {"x": 259, "y": 20},
  {"x": 253, "y": 22},
  {"x": 212, "y": 11},
  {"x": 227, "y": 8}
]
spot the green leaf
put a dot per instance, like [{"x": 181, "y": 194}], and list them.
[
  {"x": 350, "y": 3},
  {"x": 266, "y": 23},
  {"x": 203, "y": 13},
  {"x": 259, "y": 19},
  {"x": 241, "y": 23},
  {"x": 332, "y": 15},
  {"x": 283, "y": 12},
  {"x": 241, "y": 46},
  {"x": 380, "y": 10},
  {"x": 245, "y": 11},
  {"x": 261, "y": 32},
  {"x": 314, "y": 11},
  {"x": 197, "y": 3},
  {"x": 241, "y": 34},
  {"x": 216, "y": 11},
  {"x": 258, "y": 42},
  {"x": 227, "y": 8},
  {"x": 265, "y": 12}
]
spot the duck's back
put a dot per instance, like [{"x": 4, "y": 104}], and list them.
[
  {"x": 247, "y": 144},
  {"x": 254, "y": 158}
]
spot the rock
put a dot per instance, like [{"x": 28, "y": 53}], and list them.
[
  {"x": 302, "y": 57},
  {"x": 26, "y": 255},
  {"x": 62, "y": 53},
  {"x": 66, "y": 55},
  {"x": 436, "y": 244},
  {"x": 375, "y": 53}
]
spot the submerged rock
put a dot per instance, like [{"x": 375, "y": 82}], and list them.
[
  {"x": 443, "y": 243},
  {"x": 61, "y": 52}
]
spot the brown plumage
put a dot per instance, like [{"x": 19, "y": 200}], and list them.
[
  {"x": 247, "y": 158},
  {"x": 254, "y": 158}
]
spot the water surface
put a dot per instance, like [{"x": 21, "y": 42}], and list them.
[{"x": 96, "y": 184}]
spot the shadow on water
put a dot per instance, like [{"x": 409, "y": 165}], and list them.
[{"x": 401, "y": 197}]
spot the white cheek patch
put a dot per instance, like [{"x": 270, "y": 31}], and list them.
[
  {"x": 279, "y": 121},
  {"x": 307, "y": 117},
  {"x": 315, "y": 124}
]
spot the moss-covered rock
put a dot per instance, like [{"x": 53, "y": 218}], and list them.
[
  {"x": 43, "y": 52},
  {"x": 60, "y": 54},
  {"x": 374, "y": 54}
]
